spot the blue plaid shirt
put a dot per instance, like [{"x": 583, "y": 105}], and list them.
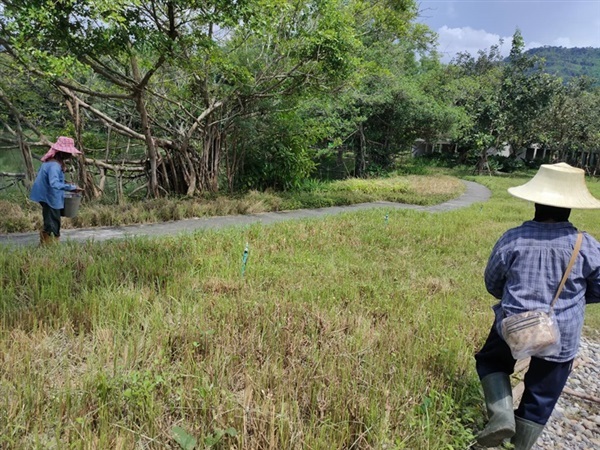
[{"x": 525, "y": 269}]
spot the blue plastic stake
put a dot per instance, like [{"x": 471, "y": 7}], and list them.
[
  {"x": 244, "y": 259},
  {"x": 387, "y": 216}
]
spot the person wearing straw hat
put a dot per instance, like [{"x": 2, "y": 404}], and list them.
[
  {"x": 524, "y": 270},
  {"x": 49, "y": 187}
]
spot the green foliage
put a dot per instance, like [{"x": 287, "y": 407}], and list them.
[
  {"x": 571, "y": 121},
  {"x": 393, "y": 101},
  {"x": 184, "y": 439},
  {"x": 440, "y": 410},
  {"x": 414, "y": 166},
  {"x": 219, "y": 435},
  {"x": 506, "y": 164},
  {"x": 195, "y": 71},
  {"x": 525, "y": 95},
  {"x": 502, "y": 99},
  {"x": 259, "y": 94},
  {"x": 276, "y": 154},
  {"x": 475, "y": 85}
]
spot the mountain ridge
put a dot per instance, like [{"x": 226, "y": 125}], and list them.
[{"x": 568, "y": 63}]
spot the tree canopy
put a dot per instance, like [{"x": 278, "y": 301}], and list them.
[{"x": 197, "y": 96}]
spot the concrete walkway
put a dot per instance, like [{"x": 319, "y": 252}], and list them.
[{"x": 474, "y": 193}]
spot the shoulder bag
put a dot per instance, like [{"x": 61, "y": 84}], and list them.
[{"x": 536, "y": 333}]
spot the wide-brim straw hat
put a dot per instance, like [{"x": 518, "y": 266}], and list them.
[
  {"x": 63, "y": 144},
  {"x": 559, "y": 185}
]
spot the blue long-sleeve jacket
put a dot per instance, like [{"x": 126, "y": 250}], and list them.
[{"x": 49, "y": 185}]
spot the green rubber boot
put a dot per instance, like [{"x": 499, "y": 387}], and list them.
[
  {"x": 499, "y": 402},
  {"x": 527, "y": 433}
]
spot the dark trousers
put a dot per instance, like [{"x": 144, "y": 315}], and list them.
[
  {"x": 544, "y": 381},
  {"x": 51, "y": 218}
]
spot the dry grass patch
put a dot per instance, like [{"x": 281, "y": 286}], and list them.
[{"x": 438, "y": 185}]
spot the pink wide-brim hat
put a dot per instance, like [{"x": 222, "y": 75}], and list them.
[{"x": 64, "y": 145}]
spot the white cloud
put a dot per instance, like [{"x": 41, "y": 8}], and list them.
[{"x": 466, "y": 39}]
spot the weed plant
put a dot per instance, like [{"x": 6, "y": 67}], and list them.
[{"x": 351, "y": 331}]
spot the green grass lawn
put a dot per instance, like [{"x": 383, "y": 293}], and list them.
[{"x": 344, "y": 332}]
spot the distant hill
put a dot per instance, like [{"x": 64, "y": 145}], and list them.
[{"x": 570, "y": 62}]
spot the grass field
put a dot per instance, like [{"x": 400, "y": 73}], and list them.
[{"x": 346, "y": 332}]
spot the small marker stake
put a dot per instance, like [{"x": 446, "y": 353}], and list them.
[
  {"x": 387, "y": 216},
  {"x": 244, "y": 259}
]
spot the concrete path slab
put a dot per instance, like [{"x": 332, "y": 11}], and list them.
[{"x": 474, "y": 193}]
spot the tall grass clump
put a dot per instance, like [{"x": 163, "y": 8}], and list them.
[{"x": 353, "y": 331}]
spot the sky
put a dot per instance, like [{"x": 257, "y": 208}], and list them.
[{"x": 472, "y": 25}]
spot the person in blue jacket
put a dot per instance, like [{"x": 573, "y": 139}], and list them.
[{"x": 49, "y": 187}]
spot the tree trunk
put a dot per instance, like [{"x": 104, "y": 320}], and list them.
[
  {"x": 84, "y": 179},
  {"x": 360, "y": 164},
  {"x": 482, "y": 164},
  {"x": 26, "y": 153},
  {"x": 233, "y": 158},
  {"x": 22, "y": 142},
  {"x": 151, "y": 152},
  {"x": 209, "y": 164}
]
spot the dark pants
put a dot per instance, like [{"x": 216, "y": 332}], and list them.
[
  {"x": 51, "y": 219},
  {"x": 544, "y": 381}
]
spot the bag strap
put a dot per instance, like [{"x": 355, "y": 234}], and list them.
[{"x": 568, "y": 269}]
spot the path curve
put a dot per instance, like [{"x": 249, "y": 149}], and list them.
[{"x": 474, "y": 193}]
